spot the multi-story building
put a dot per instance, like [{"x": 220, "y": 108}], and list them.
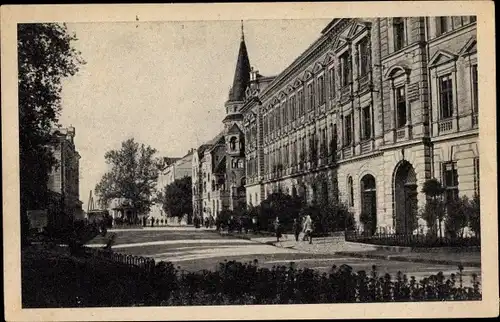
[
  {"x": 220, "y": 163},
  {"x": 64, "y": 180},
  {"x": 173, "y": 169},
  {"x": 368, "y": 113}
]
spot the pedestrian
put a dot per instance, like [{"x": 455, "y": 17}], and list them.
[
  {"x": 296, "y": 228},
  {"x": 277, "y": 229},
  {"x": 255, "y": 225},
  {"x": 308, "y": 228}
]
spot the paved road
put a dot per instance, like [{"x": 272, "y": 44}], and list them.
[{"x": 194, "y": 249}]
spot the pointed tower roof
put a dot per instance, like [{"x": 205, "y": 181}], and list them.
[{"x": 242, "y": 72}]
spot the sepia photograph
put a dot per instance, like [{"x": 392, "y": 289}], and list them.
[{"x": 246, "y": 161}]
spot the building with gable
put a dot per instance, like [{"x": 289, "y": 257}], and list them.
[{"x": 368, "y": 113}]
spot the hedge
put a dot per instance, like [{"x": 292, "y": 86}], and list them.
[{"x": 87, "y": 282}]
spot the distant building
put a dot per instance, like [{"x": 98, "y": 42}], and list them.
[
  {"x": 173, "y": 169},
  {"x": 64, "y": 181},
  {"x": 368, "y": 113}
]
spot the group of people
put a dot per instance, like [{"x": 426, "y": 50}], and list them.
[{"x": 305, "y": 226}]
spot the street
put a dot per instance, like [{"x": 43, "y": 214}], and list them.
[{"x": 197, "y": 249}]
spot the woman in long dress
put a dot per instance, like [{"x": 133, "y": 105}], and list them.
[{"x": 308, "y": 228}]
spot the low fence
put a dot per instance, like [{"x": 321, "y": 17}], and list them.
[
  {"x": 411, "y": 240},
  {"x": 144, "y": 263}
]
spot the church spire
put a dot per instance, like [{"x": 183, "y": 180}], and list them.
[
  {"x": 242, "y": 33},
  {"x": 242, "y": 72}
]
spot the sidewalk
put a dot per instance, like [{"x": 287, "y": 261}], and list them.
[{"x": 338, "y": 246}]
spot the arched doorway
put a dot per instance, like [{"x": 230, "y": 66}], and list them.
[
  {"x": 369, "y": 202},
  {"x": 405, "y": 198}
]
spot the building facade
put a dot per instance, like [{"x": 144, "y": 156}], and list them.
[
  {"x": 64, "y": 180},
  {"x": 172, "y": 169},
  {"x": 220, "y": 163},
  {"x": 368, "y": 113}
]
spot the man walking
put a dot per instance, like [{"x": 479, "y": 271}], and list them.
[
  {"x": 277, "y": 229},
  {"x": 296, "y": 229}
]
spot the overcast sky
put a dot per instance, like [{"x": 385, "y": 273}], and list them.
[{"x": 165, "y": 83}]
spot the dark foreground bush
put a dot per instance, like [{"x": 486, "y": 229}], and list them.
[{"x": 70, "y": 282}]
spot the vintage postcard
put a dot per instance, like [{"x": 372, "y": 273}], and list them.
[{"x": 249, "y": 161}]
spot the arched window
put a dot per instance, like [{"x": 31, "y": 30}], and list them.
[
  {"x": 232, "y": 143},
  {"x": 241, "y": 164},
  {"x": 350, "y": 191}
]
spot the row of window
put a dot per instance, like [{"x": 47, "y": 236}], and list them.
[
  {"x": 447, "y": 24},
  {"x": 443, "y": 25},
  {"x": 298, "y": 151},
  {"x": 316, "y": 91}
]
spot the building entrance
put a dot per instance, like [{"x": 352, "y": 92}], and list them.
[{"x": 405, "y": 198}]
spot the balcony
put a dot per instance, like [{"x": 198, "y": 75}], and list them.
[
  {"x": 364, "y": 82},
  {"x": 366, "y": 146},
  {"x": 345, "y": 93},
  {"x": 400, "y": 133},
  {"x": 445, "y": 126},
  {"x": 347, "y": 152}
]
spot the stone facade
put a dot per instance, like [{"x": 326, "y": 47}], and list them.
[
  {"x": 176, "y": 168},
  {"x": 220, "y": 163},
  {"x": 368, "y": 113},
  {"x": 64, "y": 180}
]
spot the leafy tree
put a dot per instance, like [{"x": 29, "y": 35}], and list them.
[
  {"x": 45, "y": 56},
  {"x": 177, "y": 198},
  {"x": 281, "y": 205},
  {"x": 475, "y": 215},
  {"x": 133, "y": 176},
  {"x": 458, "y": 216},
  {"x": 435, "y": 208}
]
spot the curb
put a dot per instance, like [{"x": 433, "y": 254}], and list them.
[{"x": 412, "y": 260}]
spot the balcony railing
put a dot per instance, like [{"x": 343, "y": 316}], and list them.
[
  {"x": 445, "y": 126},
  {"x": 400, "y": 133},
  {"x": 364, "y": 82},
  {"x": 347, "y": 152},
  {"x": 345, "y": 92},
  {"x": 366, "y": 146}
]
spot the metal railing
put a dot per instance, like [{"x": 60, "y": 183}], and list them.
[
  {"x": 410, "y": 240},
  {"x": 445, "y": 126}
]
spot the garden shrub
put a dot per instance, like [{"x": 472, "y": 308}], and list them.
[{"x": 99, "y": 282}]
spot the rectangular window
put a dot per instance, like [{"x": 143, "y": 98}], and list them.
[
  {"x": 472, "y": 19},
  {"x": 367, "y": 123},
  {"x": 450, "y": 180},
  {"x": 476, "y": 175},
  {"x": 446, "y": 96},
  {"x": 364, "y": 56},
  {"x": 345, "y": 61},
  {"x": 310, "y": 94},
  {"x": 321, "y": 90},
  {"x": 475, "y": 92},
  {"x": 400, "y": 106},
  {"x": 333, "y": 143},
  {"x": 301, "y": 102},
  {"x": 443, "y": 25},
  {"x": 348, "y": 130},
  {"x": 399, "y": 33},
  {"x": 332, "y": 83}
]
